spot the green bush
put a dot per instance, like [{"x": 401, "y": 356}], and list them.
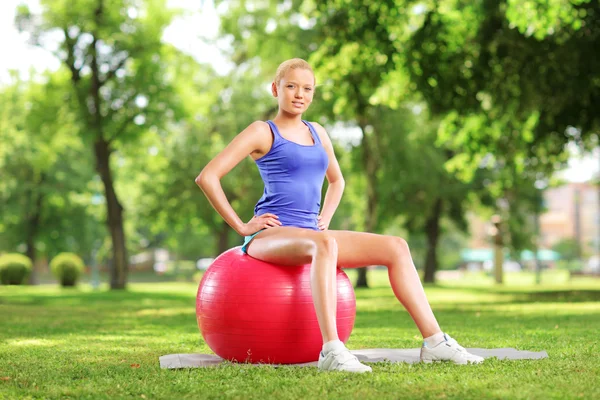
[
  {"x": 67, "y": 267},
  {"x": 14, "y": 268}
]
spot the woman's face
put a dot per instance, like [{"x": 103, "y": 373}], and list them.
[{"x": 295, "y": 90}]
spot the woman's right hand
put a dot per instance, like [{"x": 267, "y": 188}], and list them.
[{"x": 259, "y": 222}]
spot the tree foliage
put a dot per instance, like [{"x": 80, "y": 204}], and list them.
[
  {"x": 461, "y": 105},
  {"x": 45, "y": 171},
  {"x": 120, "y": 77}
]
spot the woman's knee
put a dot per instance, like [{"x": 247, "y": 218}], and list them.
[
  {"x": 325, "y": 244},
  {"x": 398, "y": 246}
]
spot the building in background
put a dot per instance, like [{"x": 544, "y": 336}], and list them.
[{"x": 571, "y": 213}]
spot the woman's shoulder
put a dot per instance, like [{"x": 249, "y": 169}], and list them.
[
  {"x": 258, "y": 125},
  {"x": 322, "y": 132},
  {"x": 318, "y": 127},
  {"x": 257, "y": 130},
  {"x": 258, "y": 136}
]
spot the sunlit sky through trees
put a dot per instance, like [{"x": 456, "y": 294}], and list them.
[{"x": 194, "y": 33}]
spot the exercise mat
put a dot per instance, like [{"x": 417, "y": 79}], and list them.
[{"x": 411, "y": 356}]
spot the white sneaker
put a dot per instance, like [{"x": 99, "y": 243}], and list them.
[
  {"x": 341, "y": 360},
  {"x": 448, "y": 350}
]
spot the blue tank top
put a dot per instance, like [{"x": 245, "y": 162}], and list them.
[{"x": 293, "y": 175}]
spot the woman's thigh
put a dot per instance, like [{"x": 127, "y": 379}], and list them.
[
  {"x": 285, "y": 245},
  {"x": 360, "y": 249}
]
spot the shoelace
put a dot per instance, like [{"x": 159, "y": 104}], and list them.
[
  {"x": 466, "y": 354},
  {"x": 344, "y": 356},
  {"x": 455, "y": 343}
]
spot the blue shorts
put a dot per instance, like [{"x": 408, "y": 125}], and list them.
[{"x": 247, "y": 240}]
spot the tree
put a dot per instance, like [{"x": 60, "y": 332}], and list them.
[
  {"x": 509, "y": 95},
  {"x": 120, "y": 75},
  {"x": 44, "y": 167},
  {"x": 222, "y": 107},
  {"x": 568, "y": 249},
  {"x": 355, "y": 49},
  {"x": 414, "y": 182},
  {"x": 510, "y": 99}
]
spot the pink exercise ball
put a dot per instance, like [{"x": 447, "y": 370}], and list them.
[{"x": 253, "y": 311}]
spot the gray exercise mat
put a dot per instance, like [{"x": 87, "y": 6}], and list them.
[{"x": 411, "y": 356}]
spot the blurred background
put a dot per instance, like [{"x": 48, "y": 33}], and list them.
[{"x": 470, "y": 128}]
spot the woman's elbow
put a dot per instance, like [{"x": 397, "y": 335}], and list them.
[
  {"x": 340, "y": 182},
  {"x": 203, "y": 179}
]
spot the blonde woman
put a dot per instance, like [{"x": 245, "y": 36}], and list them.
[{"x": 290, "y": 227}]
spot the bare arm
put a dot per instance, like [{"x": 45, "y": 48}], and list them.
[
  {"x": 333, "y": 196},
  {"x": 255, "y": 139}
]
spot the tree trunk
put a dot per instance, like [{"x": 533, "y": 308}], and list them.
[
  {"x": 361, "y": 279},
  {"x": 118, "y": 279},
  {"x": 30, "y": 247},
  {"x": 598, "y": 219},
  {"x": 33, "y": 222},
  {"x": 432, "y": 230},
  {"x": 223, "y": 230},
  {"x": 370, "y": 165},
  {"x": 498, "y": 249},
  {"x": 223, "y": 238},
  {"x": 577, "y": 223},
  {"x": 114, "y": 219}
]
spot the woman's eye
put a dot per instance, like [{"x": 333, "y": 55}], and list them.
[
  {"x": 308, "y": 89},
  {"x": 290, "y": 86}
]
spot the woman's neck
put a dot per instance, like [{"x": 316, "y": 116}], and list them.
[{"x": 284, "y": 119}]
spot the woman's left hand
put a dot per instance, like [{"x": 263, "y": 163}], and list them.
[{"x": 323, "y": 223}]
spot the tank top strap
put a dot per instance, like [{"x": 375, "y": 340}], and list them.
[
  {"x": 313, "y": 132},
  {"x": 276, "y": 135}
]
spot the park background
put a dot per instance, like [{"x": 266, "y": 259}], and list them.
[
  {"x": 432, "y": 149},
  {"x": 469, "y": 128}
]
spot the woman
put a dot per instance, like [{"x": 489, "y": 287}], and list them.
[{"x": 289, "y": 226}]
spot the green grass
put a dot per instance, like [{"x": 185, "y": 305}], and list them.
[{"x": 57, "y": 343}]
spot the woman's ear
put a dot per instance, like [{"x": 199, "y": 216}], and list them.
[{"x": 274, "y": 89}]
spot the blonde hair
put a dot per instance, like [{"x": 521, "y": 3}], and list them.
[{"x": 293, "y": 63}]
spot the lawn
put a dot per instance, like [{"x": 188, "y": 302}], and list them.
[{"x": 78, "y": 343}]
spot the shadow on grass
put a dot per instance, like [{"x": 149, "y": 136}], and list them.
[
  {"x": 98, "y": 313},
  {"x": 89, "y": 313},
  {"x": 73, "y": 296},
  {"x": 560, "y": 296},
  {"x": 485, "y": 320},
  {"x": 533, "y": 296}
]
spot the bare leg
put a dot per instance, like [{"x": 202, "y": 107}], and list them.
[
  {"x": 357, "y": 249},
  {"x": 296, "y": 246}
]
